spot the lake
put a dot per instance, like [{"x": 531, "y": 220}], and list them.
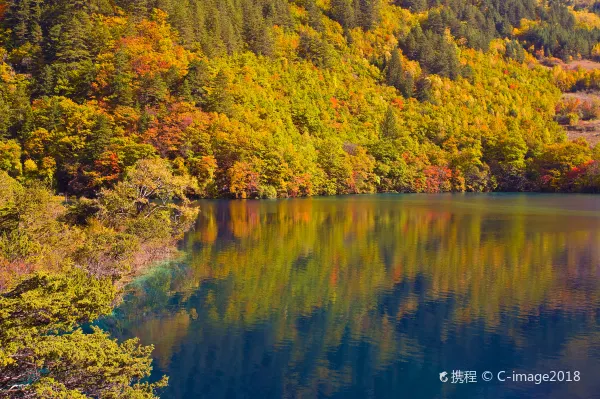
[{"x": 375, "y": 296}]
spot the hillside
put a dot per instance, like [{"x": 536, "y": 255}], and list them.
[
  {"x": 579, "y": 112},
  {"x": 114, "y": 114},
  {"x": 270, "y": 98}
]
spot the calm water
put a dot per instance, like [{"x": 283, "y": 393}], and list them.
[{"x": 374, "y": 296}]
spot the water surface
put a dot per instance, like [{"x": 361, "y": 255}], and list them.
[{"x": 374, "y": 296}]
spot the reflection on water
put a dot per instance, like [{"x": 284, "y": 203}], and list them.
[{"x": 373, "y": 296}]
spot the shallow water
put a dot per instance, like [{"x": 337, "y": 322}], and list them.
[{"x": 374, "y": 296}]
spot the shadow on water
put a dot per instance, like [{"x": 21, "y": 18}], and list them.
[{"x": 373, "y": 296}]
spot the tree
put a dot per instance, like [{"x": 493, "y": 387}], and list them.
[
  {"x": 393, "y": 71},
  {"x": 389, "y": 126},
  {"x": 44, "y": 353},
  {"x": 515, "y": 51},
  {"x": 219, "y": 97},
  {"x": 143, "y": 204},
  {"x": 414, "y": 5},
  {"x": 315, "y": 50},
  {"x": 138, "y": 8},
  {"x": 10, "y": 158},
  {"x": 19, "y": 15},
  {"x": 257, "y": 33},
  {"x": 315, "y": 16},
  {"x": 423, "y": 90},
  {"x": 342, "y": 11},
  {"x": 398, "y": 77},
  {"x": 368, "y": 14}
]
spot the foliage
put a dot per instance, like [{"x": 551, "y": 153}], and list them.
[
  {"x": 267, "y": 99},
  {"x": 43, "y": 353},
  {"x": 103, "y": 236},
  {"x": 133, "y": 107}
]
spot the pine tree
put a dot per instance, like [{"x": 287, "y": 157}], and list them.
[
  {"x": 138, "y": 8},
  {"x": 408, "y": 85},
  {"x": 121, "y": 84},
  {"x": 315, "y": 16},
  {"x": 368, "y": 13},
  {"x": 279, "y": 14},
  {"x": 423, "y": 90},
  {"x": 314, "y": 49},
  {"x": 393, "y": 72},
  {"x": 180, "y": 17},
  {"x": 18, "y": 16},
  {"x": 257, "y": 34},
  {"x": 412, "y": 44},
  {"x": 46, "y": 82},
  {"x": 515, "y": 51},
  {"x": 195, "y": 81},
  {"x": 97, "y": 142},
  {"x": 219, "y": 99},
  {"x": 342, "y": 11},
  {"x": 399, "y": 78},
  {"x": 72, "y": 46},
  {"x": 435, "y": 23},
  {"x": 414, "y": 5},
  {"x": 389, "y": 125},
  {"x": 36, "y": 34}
]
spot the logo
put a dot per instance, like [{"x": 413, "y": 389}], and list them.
[
  {"x": 487, "y": 376},
  {"x": 443, "y": 376}
]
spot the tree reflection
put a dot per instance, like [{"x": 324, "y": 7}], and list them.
[{"x": 310, "y": 296}]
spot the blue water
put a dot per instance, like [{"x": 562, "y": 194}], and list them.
[{"x": 374, "y": 296}]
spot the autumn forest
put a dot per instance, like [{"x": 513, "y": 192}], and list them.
[
  {"x": 264, "y": 99},
  {"x": 116, "y": 114}
]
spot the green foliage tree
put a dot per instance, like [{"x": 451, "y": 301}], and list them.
[
  {"x": 143, "y": 201},
  {"x": 43, "y": 352},
  {"x": 314, "y": 49},
  {"x": 389, "y": 126}
]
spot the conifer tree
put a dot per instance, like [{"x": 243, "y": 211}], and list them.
[
  {"x": 257, "y": 34},
  {"x": 389, "y": 125},
  {"x": 343, "y": 12},
  {"x": 72, "y": 46},
  {"x": 315, "y": 16},
  {"x": 423, "y": 90},
  {"x": 397, "y": 77},
  {"x": 368, "y": 15},
  {"x": 408, "y": 85},
  {"x": 219, "y": 99}
]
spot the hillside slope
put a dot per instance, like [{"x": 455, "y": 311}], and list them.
[{"x": 270, "y": 98}]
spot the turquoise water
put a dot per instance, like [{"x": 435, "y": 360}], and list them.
[{"x": 374, "y": 296}]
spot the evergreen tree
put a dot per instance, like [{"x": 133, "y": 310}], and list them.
[
  {"x": 423, "y": 90},
  {"x": 368, "y": 14},
  {"x": 219, "y": 98},
  {"x": 389, "y": 125},
  {"x": 18, "y": 17},
  {"x": 138, "y": 8},
  {"x": 195, "y": 82},
  {"x": 435, "y": 23},
  {"x": 342, "y": 11},
  {"x": 314, "y": 49},
  {"x": 257, "y": 34},
  {"x": 515, "y": 51},
  {"x": 394, "y": 72},
  {"x": 71, "y": 46},
  {"x": 414, "y": 5},
  {"x": 399, "y": 78},
  {"x": 408, "y": 85},
  {"x": 122, "y": 91},
  {"x": 315, "y": 16}
]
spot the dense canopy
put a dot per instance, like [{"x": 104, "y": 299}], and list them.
[
  {"x": 129, "y": 108},
  {"x": 277, "y": 98}
]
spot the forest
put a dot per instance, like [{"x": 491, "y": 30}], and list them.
[{"x": 116, "y": 114}]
